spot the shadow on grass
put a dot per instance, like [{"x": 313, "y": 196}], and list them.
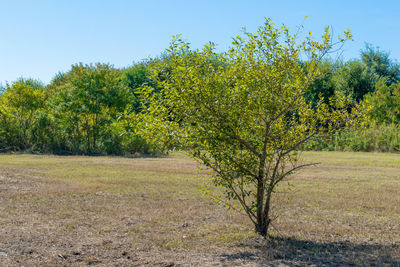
[{"x": 293, "y": 252}]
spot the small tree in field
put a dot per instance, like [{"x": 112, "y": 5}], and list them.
[{"x": 243, "y": 112}]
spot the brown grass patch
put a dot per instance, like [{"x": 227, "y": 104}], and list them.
[{"x": 110, "y": 211}]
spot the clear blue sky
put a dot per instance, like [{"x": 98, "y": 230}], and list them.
[{"x": 40, "y": 38}]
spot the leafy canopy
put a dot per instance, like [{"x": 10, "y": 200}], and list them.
[
  {"x": 20, "y": 103},
  {"x": 87, "y": 100},
  {"x": 243, "y": 113}
]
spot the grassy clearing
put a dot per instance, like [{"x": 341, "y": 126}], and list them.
[{"x": 110, "y": 211}]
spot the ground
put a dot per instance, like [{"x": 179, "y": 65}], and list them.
[{"x": 113, "y": 211}]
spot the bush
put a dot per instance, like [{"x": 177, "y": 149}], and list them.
[{"x": 378, "y": 138}]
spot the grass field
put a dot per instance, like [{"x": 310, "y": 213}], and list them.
[{"x": 112, "y": 211}]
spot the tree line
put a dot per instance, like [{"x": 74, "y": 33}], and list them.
[
  {"x": 88, "y": 110},
  {"x": 97, "y": 108}
]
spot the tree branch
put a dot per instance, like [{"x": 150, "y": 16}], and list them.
[{"x": 282, "y": 176}]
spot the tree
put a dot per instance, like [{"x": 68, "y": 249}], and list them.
[
  {"x": 243, "y": 113},
  {"x": 358, "y": 77},
  {"x": 353, "y": 79},
  {"x": 380, "y": 65},
  {"x": 135, "y": 77},
  {"x": 384, "y": 103},
  {"x": 85, "y": 102},
  {"x": 19, "y": 106},
  {"x": 322, "y": 86}
]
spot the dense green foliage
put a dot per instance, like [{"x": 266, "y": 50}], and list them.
[
  {"x": 88, "y": 110},
  {"x": 20, "y": 107},
  {"x": 373, "y": 84}
]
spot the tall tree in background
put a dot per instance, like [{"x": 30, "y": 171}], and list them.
[
  {"x": 356, "y": 78},
  {"x": 87, "y": 100},
  {"x": 380, "y": 65},
  {"x": 19, "y": 105},
  {"x": 134, "y": 78},
  {"x": 353, "y": 79},
  {"x": 384, "y": 103},
  {"x": 322, "y": 86}
]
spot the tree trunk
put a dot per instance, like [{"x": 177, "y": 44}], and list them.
[
  {"x": 88, "y": 140},
  {"x": 260, "y": 202},
  {"x": 94, "y": 131},
  {"x": 262, "y": 227},
  {"x": 263, "y": 219}
]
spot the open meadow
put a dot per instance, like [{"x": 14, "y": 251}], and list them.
[{"x": 115, "y": 211}]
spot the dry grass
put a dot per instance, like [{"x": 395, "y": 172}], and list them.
[{"x": 111, "y": 211}]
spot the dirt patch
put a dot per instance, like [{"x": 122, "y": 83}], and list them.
[{"x": 20, "y": 181}]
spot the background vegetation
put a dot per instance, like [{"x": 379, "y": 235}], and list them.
[{"x": 95, "y": 109}]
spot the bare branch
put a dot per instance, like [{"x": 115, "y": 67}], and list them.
[
  {"x": 282, "y": 176},
  {"x": 302, "y": 141}
]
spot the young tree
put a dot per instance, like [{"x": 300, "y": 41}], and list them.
[{"x": 243, "y": 112}]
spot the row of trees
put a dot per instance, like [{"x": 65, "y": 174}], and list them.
[
  {"x": 372, "y": 83},
  {"x": 90, "y": 109},
  {"x": 355, "y": 78},
  {"x": 96, "y": 109}
]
